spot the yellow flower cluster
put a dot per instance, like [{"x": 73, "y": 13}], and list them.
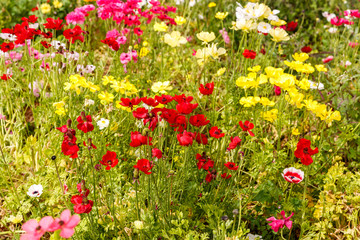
[
  {"x": 76, "y": 81},
  {"x": 271, "y": 115},
  {"x": 161, "y": 87},
  {"x": 252, "y": 101},
  {"x": 124, "y": 86},
  {"x": 211, "y": 52},
  {"x": 174, "y": 39},
  {"x": 60, "y": 108},
  {"x": 251, "y": 80},
  {"x": 299, "y": 65}
]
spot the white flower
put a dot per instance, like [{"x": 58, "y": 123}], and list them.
[
  {"x": 35, "y": 190},
  {"x": 263, "y": 27},
  {"x": 319, "y": 85},
  {"x": 89, "y": 68},
  {"x": 253, "y": 237},
  {"x": 57, "y": 44},
  {"x": 192, "y": 3},
  {"x": 89, "y": 102},
  {"x": 138, "y": 225},
  {"x": 8, "y": 36},
  {"x": 103, "y": 123},
  {"x": 347, "y": 63},
  {"x": 332, "y": 30},
  {"x": 72, "y": 56},
  {"x": 34, "y": 25}
]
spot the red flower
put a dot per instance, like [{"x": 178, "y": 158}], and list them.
[
  {"x": 182, "y": 98},
  {"x": 69, "y": 147},
  {"x": 82, "y": 205},
  {"x": 31, "y": 19},
  {"x": 306, "y": 49},
  {"x": 53, "y": 24},
  {"x": 109, "y": 160},
  {"x": 226, "y": 176},
  {"x": 215, "y": 132},
  {"x": 149, "y": 101},
  {"x": 234, "y": 142},
  {"x": 74, "y": 34},
  {"x": 140, "y": 113},
  {"x": 198, "y": 120},
  {"x": 304, "y": 152},
  {"x": 246, "y": 127},
  {"x": 201, "y": 138},
  {"x": 127, "y": 102},
  {"x": 185, "y": 138},
  {"x": 291, "y": 26},
  {"x": 210, "y": 176},
  {"x": 144, "y": 165},
  {"x": 293, "y": 175},
  {"x": 112, "y": 43},
  {"x": 186, "y": 107},
  {"x": 277, "y": 90},
  {"x": 156, "y": 153},
  {"x": 138, "y": 31},
  {"x": 85, "y": 123},
  {"x": 249, "y": 54},
  {"x": 204, "y": 162},
  {"x": 34, "y": 9},
  {"x": 231, "y": 166},
  {"x": 47, "y": 34},
  {"x": 138, "y": 140},
  {"x": 208, "y": 89},
  {"x": 7, "y": 46},
  {"x": 91, "y": 145},
  {"x": 164, "y": 99},
  {"x": 5, "y": 77},
  {"x": 262, "y": 51},
  {"x": 45, "y": 44}
]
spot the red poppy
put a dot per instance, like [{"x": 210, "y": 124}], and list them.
[
  {"x": 262, "y": 51},
  {"x": 85, "y": 123},
  {"x": 31, "y": 19},
  {"x": 140, "y": 113},
  {"x": 47, "y": 34},
  {"x": 198, "y": 120},
  {"x": 74, "y": 34},
  {"x": 82, "y": 205},
  {"x": 53, "y": 24},
  {"x": 249, "y": 54},
  {"x": 34, "y": 9},
  {"x": 226, "y": 176},
  {"x": 144, "y": 165},
  {"x": 138, "y": 140},
  {"x": 304, "y": 152},
  {"x": 5, "y": 77},
  {"x": 152, "y": 119},
  {"x": 186, "y": 107},
  {"x": 246, "y": 127},
  {"x": 204, "y": 162},
  {"x": 201, "y": 139},
  {"x": 306, "y": 49},
  {"x": 215, "y": 132},
  {"x": 234, "y": 142},
  {"x": 291, "y": 26},
  {"x": 231, "y": 166},
  {"x": 208, "y": 89},
  {"x": 45, "y": 44},
  {"x": 156, "y": 153},
  {"x": 127, "y": 102},
  {"x": 7, "y": 46},
  {"x": 185, "y": 138},
  {"x": 69, "y": 147},
  {"x": 109, "y": 160},
  {"x": 149, "y": 101},
  {"x": 277, "y": 90},
  {"x": 182, "y": 98},
  {"x": 164, "y": 99},
  {"x": 91, "y": 145},
  {"x": 138, "y": 31},
  {"x": 210, "y": 176},
  {"x": 112, "y": 43}
]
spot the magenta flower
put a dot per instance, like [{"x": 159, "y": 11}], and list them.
[
  {"x": 66, "y": 223},
  {"x": 276, "y": 224},
  {"x": 34, "y": 229}
]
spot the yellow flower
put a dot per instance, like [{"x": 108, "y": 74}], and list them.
[
  {"x": 105, "y": 97},
  {"x": 212, "y": 4},
  {"x": 279, "y": 35},
  {"x": 206, "y": 37},
  {"x": 61, "y": 111},
  {"x": 243, "y": 24},
  {"x": 174, "y": 39},
  {"x": 246, "y": 82},
  {"x": 221, "y": 15},
  {"x": 161, "y": 87},
  {"x": 278, "y": 23},
  {"x": 220, "y": 72},
  {"x": 92, "y": 87},
  {"x": 304, "y": 84},
  {"x": 145, "y": 44},
  {"x": 210, "y": 52},
  {"x": 249, "y": 101},
  {"x": 272, "y": 72},
  {"x": 254, "y": 69},
  {"x": 271, "y": 115},
  {"x": 107, "y": 79},
  {"x": 59, "y": 104},
  {"x": 334, "y": 116},
  {"x": 180, "y": 20},
  {"x": 160, "y": 27},
  {"x": 143, "y": 52},
  {"x": 129, "y": 88},
  {"x": 16, "y": 219},
  {"x": 295, "y": 132},
  {"x": 321, "y": 68},
  {"x": 57, "y": 4},
  {"x": 266, "y": 102},
  {"x": 45, "y": 8},
  {"x": 301, "y": 57}
]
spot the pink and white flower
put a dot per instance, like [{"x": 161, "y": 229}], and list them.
[{"x": 293, "y": 175}]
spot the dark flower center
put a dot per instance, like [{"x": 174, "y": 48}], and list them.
[
  {"x": 306, "y": 150},
  {"x": 35, "y": 192}
]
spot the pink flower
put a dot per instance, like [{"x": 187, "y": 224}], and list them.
[
  {"x": 125, "y": 58},
  {"x": 113, "y": 34},
  {"x": 328, "y": 59},
  {"x": 76, "y": 17},
  {"x": 225, "y": 35},
  {"x": 66, "y": 223},
  {"x": 277, "y": 90},
  {"x": 34, "y": 230},
  {"x": 293, "y": 175},
  {"x": 121, "y": 40},
  {"x": 2, "y": 117},
  {"x": 276, "y": 224},
  {"x": 353, "y": 44}
]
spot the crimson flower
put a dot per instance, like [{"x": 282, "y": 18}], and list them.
[
  {"x": 74, "y": 34},
  {"x": 144, "y": 165},
  {"x": 31, "y": 19},
  {"x": 127, "y": 102},
  {"x": 201, "y": 139},
  {"x": 234, "y": 142},
  {"x": 306, "y": 49},
  {"x": 156, "y": 153},
  {"x": 112, "y": 43},
  {"x": 204, "y": 162},
  {"x": 5, "y": 76},
  {"x": 304, "y": 152},
  {"x": 47, "y": 34},
  {"x": 231, "y": 166},
  {"x": 246, "y": 127},
  {"x": 291, "y": 26},
  {"x": 138, "y": 31},
  {"x": 140, "y": 113},
  {"x": 276, "y": 224},
  {"x": 85, "y": 123},
  {"x": 164, "y": 99},
  {"x": 215, "y": 132},
  {"x": 69, "y": 147},
  {"x": 185, "y": 138},
  {"x": 109, "y": 160},
  {"x": 149, "y": 101},
  {"x": 7, "y": 46},
  {"x": 277, "y": 90},
  {"x": 249, "y": 54},
  {"x": 182, "y": 98},
  {"x": 226, "y": 176},
  {"x": 45, "y": 44},
  {"x": 198, "y": 120},
  {"x": 53, "y": 24},
  {"x": 207, "y": 89},
  {"x": 186, "y": 107},
  {"x": 210, "y": 176},
  {"x": 82, "y": 205},
  {"x": 138, "y": 140}
]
